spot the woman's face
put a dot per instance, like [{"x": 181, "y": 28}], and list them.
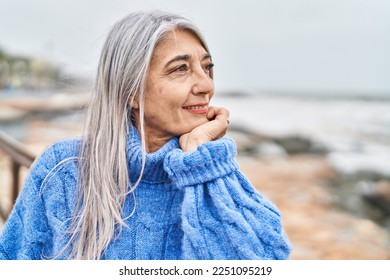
[{"x": 179, "y": 87}]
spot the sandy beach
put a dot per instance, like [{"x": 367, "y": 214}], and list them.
[{"x": 318, "y": 227}]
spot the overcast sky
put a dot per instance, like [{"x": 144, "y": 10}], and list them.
[{"x": 332, "y": 45}]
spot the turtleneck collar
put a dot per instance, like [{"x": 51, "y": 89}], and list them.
[{"x": 154, "y": 165}]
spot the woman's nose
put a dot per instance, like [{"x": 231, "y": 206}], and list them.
[{"x": 203, "y": 83}]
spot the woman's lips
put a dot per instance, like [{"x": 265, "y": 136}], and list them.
[{"x": 197, "y": 109}]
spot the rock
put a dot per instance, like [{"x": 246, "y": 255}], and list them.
[
  {"x": 378, "y": 194},
  {"x": 244, "y": 142},
  {"x": 299, "y": 145},
  {"x": 247, "y": 140},
  {"x": 294, "y": 144},
  {"x": 269, "y": 149}
]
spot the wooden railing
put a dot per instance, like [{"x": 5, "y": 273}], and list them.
[{"x": 20, "y": 156}]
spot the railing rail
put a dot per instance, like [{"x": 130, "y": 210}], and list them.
[{"x": 20, "y": 156}]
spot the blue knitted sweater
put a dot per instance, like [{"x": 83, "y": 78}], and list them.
[{"x": 189, "y": 205}]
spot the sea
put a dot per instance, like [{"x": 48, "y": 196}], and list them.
[{"x": 355, "y": 128}]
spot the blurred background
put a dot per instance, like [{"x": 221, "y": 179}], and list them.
[{"x": 307, "y": 83}]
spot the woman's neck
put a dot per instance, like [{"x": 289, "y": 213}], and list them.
[{"x": 154, "y": 140}]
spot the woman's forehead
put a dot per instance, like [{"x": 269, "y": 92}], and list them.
[{"x": 178, "y": 42}]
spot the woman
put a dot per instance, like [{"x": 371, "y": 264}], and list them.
[{"x": 153, "y": 177}]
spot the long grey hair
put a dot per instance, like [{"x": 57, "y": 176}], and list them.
[{"x": 104, "y": 182}]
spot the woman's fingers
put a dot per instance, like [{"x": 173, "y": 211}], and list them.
[
  {"x": 219, "y": 122},
  {"x": 218, "y": 112},
  {"x": 214, "y": 129},
  {"x": 217, "y": 126}
]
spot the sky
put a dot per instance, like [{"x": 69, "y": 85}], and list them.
[{"x": 257, "y": 45}]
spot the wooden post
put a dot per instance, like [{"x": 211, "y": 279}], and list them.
[
  {"x": 19, "y": 156},
  {"x": 15, "y": 167}
]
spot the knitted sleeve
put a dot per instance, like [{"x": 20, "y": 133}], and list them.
[
  {"x": 26, "y": 234},
  {"x": 223, "y": 216}
]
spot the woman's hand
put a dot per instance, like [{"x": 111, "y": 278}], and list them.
[{"x": 214, "y": 129}]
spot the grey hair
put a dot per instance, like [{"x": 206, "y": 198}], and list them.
[{"x": 104, "y": 182}]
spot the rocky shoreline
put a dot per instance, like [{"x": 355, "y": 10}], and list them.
[
  {"x": 325, "y": 215},
  {"x": 365, "y": 194}
]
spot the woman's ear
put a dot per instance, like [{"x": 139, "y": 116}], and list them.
[{"x": 135, "y": 103}]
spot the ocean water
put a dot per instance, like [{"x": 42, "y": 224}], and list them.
[{"x": 356, "y": 130}]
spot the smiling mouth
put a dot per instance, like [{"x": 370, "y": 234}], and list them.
[{"x": 197, "y": 109}]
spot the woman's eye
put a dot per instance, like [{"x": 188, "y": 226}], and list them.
[
  {"x": 208, "y": 67},
  {"x": 181, "y": 68}
]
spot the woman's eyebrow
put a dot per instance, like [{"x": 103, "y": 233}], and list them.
[
  {"x": 207, "y": 56},
  {"x": 184, "y": 57}
]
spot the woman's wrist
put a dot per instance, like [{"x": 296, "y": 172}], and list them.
[{"x": 190, "y": 143}]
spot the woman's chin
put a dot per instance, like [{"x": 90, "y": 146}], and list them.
[{"x": 190, "y": 127}]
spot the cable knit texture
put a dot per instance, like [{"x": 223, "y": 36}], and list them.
[{"x": 189, "y": 205}]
